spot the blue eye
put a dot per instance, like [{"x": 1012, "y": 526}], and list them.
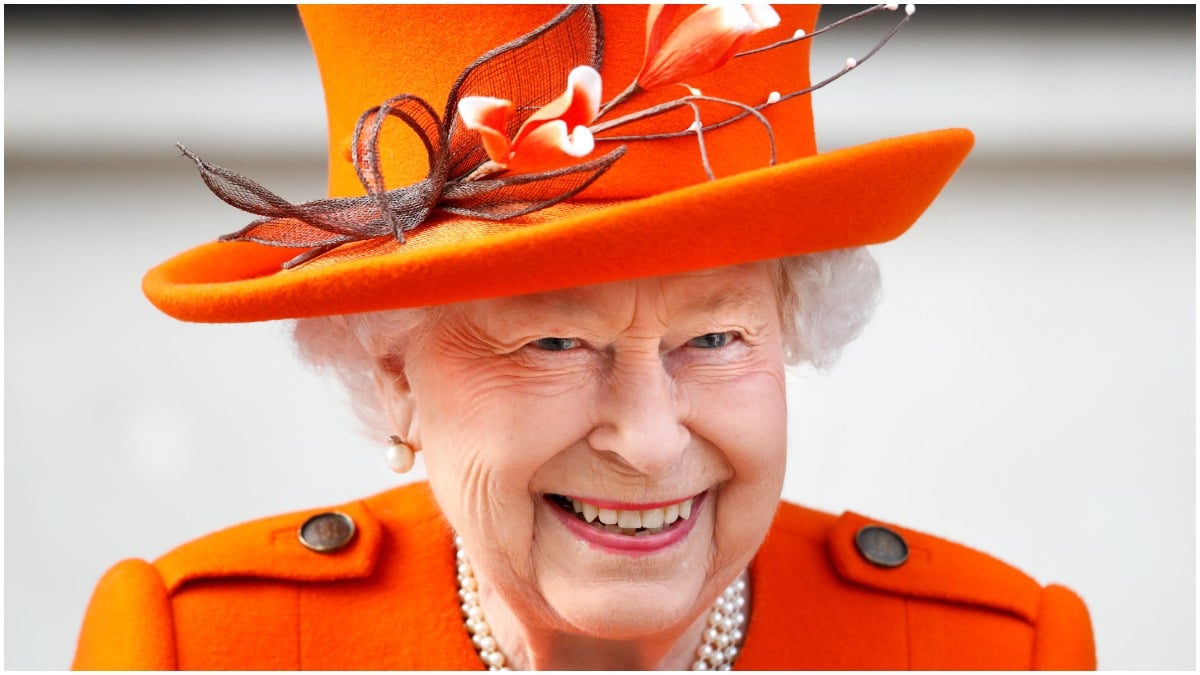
[
  {"x": 555, "y": 344},
  {"x": 710, "y": 341}
]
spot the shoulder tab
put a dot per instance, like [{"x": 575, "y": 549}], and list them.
[
  {"x": 935, "y": 569},
  {"x": 271, "y": 548}
]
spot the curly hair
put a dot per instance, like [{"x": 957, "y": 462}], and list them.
[{"x": 825, "y": 301}]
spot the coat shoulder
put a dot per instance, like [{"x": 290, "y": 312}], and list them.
[
  {"x": 945, "y": 604},
  {"x": 236, "y": 598}
]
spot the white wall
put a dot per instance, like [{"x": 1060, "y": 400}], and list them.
[{"x": 1027, "y": 387}]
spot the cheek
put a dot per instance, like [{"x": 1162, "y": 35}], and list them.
[
  {"x": 744, "y": 416},
  {"x": 746, "y": 422},
  {"x": 486, "y": 432}
]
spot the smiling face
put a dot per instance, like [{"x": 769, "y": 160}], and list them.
[{"x": 634, "y": 401}]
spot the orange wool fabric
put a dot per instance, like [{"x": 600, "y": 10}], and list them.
[
  {"x": 252, "y": 597},
  {"x": 653, "y": 213}
]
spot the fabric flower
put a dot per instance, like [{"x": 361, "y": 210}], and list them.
[
  {"x": 703, "y": 42},
  {"x": 554, "y": 136}
]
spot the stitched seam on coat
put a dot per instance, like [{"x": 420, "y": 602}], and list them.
[
  {"x": 299, "y": 614},
  {"x": 174, "y": 613},
  {"x": 1033, "y": 634},
  {"x": 908, "y": 633}
]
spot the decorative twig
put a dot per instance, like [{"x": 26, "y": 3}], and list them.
[{"x": 851, "y": 63}]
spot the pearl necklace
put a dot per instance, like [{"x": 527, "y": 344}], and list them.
[{"x": 719, "y": 648}]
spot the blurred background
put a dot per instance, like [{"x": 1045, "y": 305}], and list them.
[{"x": 1027, "y": 386}]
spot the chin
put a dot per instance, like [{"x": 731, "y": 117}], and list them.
[{"x": 627, "y": 611}]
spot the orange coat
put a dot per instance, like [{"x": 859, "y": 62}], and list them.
[{"x": 253, "y": 597}]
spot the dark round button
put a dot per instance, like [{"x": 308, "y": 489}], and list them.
[
  {"x": 881, "y": 546},
  {"x": 327, "y": 532}
]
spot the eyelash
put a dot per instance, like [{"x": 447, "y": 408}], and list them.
[
  {"x": 555, "y": 344},
  {"x": 706, "y": 341}
]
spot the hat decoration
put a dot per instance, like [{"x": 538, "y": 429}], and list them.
[{"x": 514, "y": 140}]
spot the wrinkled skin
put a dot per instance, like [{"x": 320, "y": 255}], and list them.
[{"x": 638, "y": 391}]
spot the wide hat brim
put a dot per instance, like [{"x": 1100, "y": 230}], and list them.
[
  {"x": 863, "y": 195},
  {"x": 851, "y": 197}
]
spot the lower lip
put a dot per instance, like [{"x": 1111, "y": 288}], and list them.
[{"x": 625, "y": 544}]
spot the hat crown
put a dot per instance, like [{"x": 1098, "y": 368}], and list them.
[{"x": 367, "y": 55}]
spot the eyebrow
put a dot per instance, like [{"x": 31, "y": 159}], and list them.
[
  {"x": 735, "y": 296},
  {"x": 572, "y": 302},
  {"x": 569, "y": 301}
]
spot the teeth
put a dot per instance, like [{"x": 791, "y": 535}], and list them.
[
  {"x": 643, "y": 522},
  {"x": 652, "y": 518},
  {"x": 629, "y": 519},
  {"x": 671, "y": 514},
  {"x": 608, "y": 516}
]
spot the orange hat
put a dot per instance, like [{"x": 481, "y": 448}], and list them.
[{"x": 475, "y": 151}]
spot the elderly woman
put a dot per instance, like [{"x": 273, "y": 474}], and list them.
[{"x": 578, "y": 309}]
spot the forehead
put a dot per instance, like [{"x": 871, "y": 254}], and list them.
[{"x": 750, "y": 287}]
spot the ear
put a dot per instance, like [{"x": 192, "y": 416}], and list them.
[{"x": 397, "y": 400}]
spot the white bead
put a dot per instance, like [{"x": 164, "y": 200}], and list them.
[
  {"x": 487, "y": 642},
  {"x": 850, "y": 63},
  {"x": 711, "y": 635},
  {"x": 798, "y": 34},
  {"x": 464, "y": 569},
  {"x": 717, "y": 658},
  {"x": 706, "y": 651},
  {"x": 773, "y": 97},
  {"x": 469, "y": 584},
  {"x": 482, "y": 628},
  {"x": 715, "y": 617},
  {"x": 694, "y": 91},
  {"x": 728, "y": 624},
  {"x": 723, "y": 640},
  {"x": 738, "y": 619},
  {"x": 700, "y": 665},
  {"x": 909, "y": 9},
  {"x": 495, "y": 659},
  {"x": 892, "y": 8},
  {"x": 731, "y": 652},
  {"x": 475, "y": 612},
  {"x": 736, "y": 635}
]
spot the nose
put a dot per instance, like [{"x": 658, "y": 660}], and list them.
[{"x": 640, "y": 417}]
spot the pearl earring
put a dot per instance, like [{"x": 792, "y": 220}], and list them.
[{"x": 400, "y": 455}]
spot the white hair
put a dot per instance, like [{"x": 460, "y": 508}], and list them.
[{"x": 825, "y": 301}]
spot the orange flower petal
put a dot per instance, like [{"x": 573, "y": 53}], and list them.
[
  {"x": 657, "y": 19},
  {"x": 577, "y": 106},
  {"x": 488, "y": 116},
  {"x": 550, "y": 146},
  {"x": 703, "y": 42}
]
